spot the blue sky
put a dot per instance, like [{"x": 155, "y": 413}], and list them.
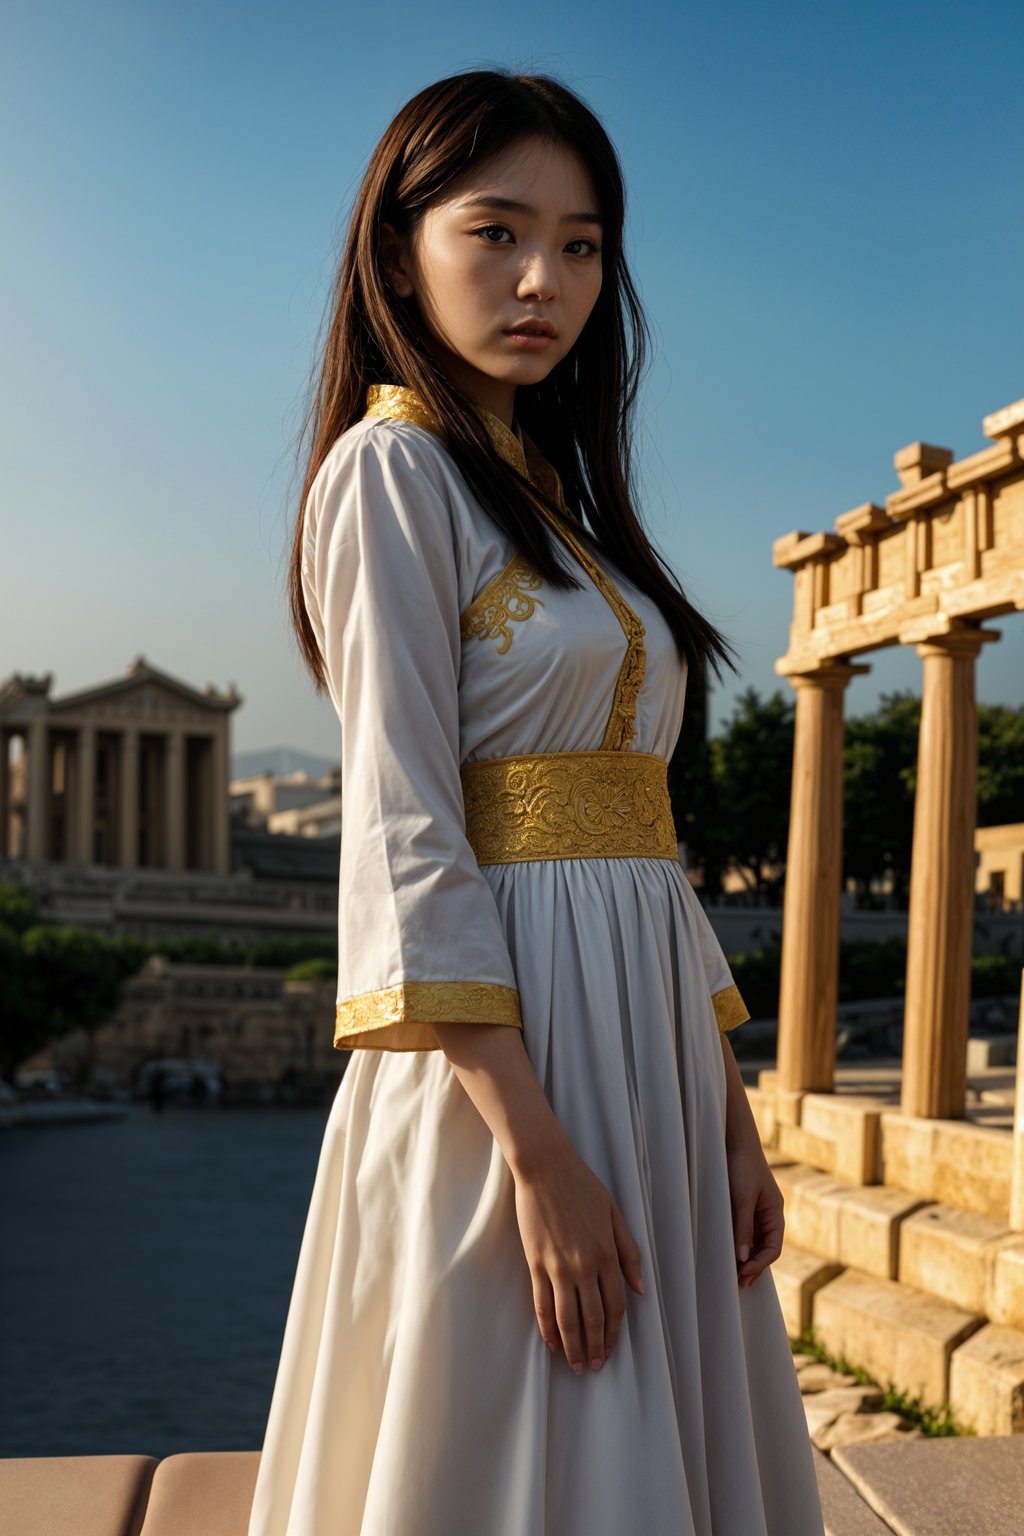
[{"x": 825, "y": 224}]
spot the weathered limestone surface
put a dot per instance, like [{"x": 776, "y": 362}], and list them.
[
  {"x": 986, "y": 1381},
  {"x": 852, "y": 1123},
  {"x": 813, "y": 1208},
  {"x": 950, "y": 1252},
  {"x": 853, "y": 1428},
  {"x": 798, "y": 1274},
  {"x": 870, "y": 1228},
  {"x": 1004, "y": 1302},
  {"x": 961, "y": 1164},
  {"x": 897, "y": 1335},
  {"x": 816, "y": 1376}
]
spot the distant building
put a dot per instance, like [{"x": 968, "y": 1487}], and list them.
[
  {"x": 117, "y": 810},
  {"x": 291, "y": 803},
  {"x": 999, "y": 872},
  {"x": 131, "y": 773}
]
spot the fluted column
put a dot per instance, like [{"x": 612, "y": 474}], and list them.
[
  {"x": 128, "y": 791},
  {"x": 38, "y": 788},
  {"x": 941, "y": 924},
  {"x": 5, "y": 794},
  {"x": 174, "y": 804},
  {"x": 219, "y": 776},
  {"x": 85, "y": 799},
  {"x": 810, "y": 927}
]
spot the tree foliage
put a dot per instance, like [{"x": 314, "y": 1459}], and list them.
[{"x": 738, "y": 789}]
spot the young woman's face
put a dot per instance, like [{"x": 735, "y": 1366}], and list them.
[{"x": 519, "y": 241}]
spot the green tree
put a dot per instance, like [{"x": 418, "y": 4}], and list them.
[
  {"x": 751, "y": 771},
  {"x": 52, "y": 980},
  {"x": 19, "y": 909},
  {"x": 1000, "y": 764},
  {"x": 879, "y": 779}
]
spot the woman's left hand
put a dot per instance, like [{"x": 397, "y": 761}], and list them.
[{"x": 757, "y": 1206}]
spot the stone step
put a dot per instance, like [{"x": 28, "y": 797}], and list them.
[
  {"x": 955, "y": 1485},
  {"x": 986, "y": 1381},
  {"x": 960, "y": 1162},
  {"x": 844, "y": 1511},
  {"x": 900, "y": 1336},
  {"x": 798, "y": 1274},
  {"x": 951, "y": 1253},
  {"x": 962, "y": 1256}
]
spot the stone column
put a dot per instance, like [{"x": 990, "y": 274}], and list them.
[
  {"x": 221, "y": 861},
  {"x": 174, "y": 803},
  {"x": 940, "y": 930},
  {"x": 1017, "y": 1176},
  {"x": 85, "y": 800},
  {"x": 5, "y": 793},
  {"x": 128, "y": 792},
  {"x": 810, "y": 927},
  {"x": 38, "y": 789}
]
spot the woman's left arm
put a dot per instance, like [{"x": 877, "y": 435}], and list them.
[{"x": 756, "y": 1198}]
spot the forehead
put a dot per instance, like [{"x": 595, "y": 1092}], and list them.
[{"x": 535, "y": 171}]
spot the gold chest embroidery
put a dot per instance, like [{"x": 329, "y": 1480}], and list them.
[
  {"x": 504, "y": 599},
  {"x": 507, "y": 597}
]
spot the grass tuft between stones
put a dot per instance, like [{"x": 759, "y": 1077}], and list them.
[{"x": 930, "y": 1421}]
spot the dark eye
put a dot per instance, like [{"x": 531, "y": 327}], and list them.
[
  {"x": 594, "y": 250},
  {"x": 489, "y": 229}
]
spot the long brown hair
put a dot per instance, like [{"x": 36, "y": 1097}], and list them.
[{"x": 579, "y": 416}]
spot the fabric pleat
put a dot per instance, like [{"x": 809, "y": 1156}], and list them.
[{"x": 415, "y": 1396}]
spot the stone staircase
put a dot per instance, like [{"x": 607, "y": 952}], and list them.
[{"x": 923, "y": 1294}]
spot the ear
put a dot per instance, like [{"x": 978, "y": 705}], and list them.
[{"x": 394, "y": 253}]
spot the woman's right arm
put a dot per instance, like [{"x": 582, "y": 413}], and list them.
[{"x": 575, "y": 1238}]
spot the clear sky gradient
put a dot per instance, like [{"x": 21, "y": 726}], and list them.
[{"x": 825, "y": 221}]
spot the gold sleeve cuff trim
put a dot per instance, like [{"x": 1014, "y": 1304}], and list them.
[
  {"x": 400, "y": 1018},
  {"x": 730, "y": 1009}
]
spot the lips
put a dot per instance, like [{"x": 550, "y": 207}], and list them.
[{"x": 532, "y": 328}]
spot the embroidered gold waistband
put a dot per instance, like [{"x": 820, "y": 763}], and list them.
[{"x": 569, "y": 805}]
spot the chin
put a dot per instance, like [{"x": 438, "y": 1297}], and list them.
[{"x": 530, "y": 370}]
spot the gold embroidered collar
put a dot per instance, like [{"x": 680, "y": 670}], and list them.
[{"x": 404, "y": 404}]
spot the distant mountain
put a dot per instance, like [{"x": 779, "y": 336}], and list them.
[{"x": 279, "y": 761}]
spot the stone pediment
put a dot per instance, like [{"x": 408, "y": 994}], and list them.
[
  {"x": 139, "y": 703},
  {"x": 145, "y": 695}
]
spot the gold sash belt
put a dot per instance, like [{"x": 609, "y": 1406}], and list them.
[{"x": 569, "y": 805}]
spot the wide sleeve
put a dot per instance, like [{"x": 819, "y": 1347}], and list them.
[
  {"x": 420, "y": 939},
  {"x": 730, "y": 1009}
]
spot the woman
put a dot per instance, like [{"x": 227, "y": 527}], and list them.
[{"x": 526, "y": 1300}]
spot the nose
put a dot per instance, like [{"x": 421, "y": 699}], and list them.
[{"x": 539, "y": 276}]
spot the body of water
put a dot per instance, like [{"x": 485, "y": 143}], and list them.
[{"x": 145, "y": 1270}]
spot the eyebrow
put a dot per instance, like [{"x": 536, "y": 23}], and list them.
[{"x": 510, "y": 205}]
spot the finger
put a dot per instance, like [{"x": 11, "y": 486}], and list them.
[
  {"x": 628, "y": 1250},
  {"x": 743, "y": 1231},
  {"x": 769, "y": 1238},
  {"x": 592, "y": 1311},
  {"x": 544, "y": 1306},
  {"x": 567, "y": 1316},
  {"x": 614, "y": 1298}
]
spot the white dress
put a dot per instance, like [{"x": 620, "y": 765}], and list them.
[{"x": 414, "y": 1394}]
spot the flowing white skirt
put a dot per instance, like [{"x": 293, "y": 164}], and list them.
[{"x": 414, "y": 1394}]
